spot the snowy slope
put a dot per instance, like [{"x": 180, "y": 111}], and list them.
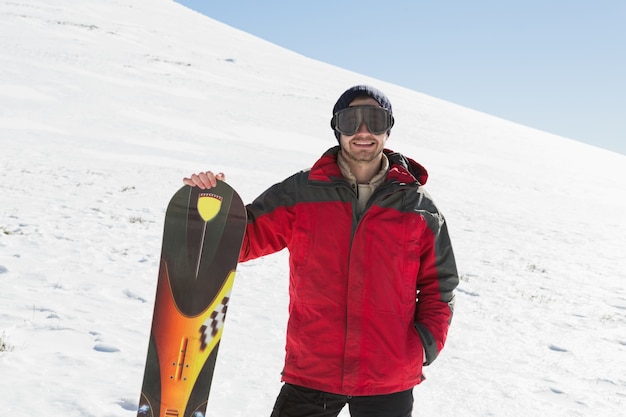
[{"x": 105, "y": 106}]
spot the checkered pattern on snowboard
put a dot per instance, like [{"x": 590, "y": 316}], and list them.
[{"x": 214, "y": 323}]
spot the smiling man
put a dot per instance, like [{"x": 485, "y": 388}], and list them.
[{"x": 372, "y": 272}]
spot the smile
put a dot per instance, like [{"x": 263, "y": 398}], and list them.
[{"x": 363, "y": 143}]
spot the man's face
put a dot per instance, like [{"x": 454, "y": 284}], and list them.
[{"x": 363, "y": 146}]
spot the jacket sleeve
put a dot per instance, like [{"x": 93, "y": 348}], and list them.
[
  {"x": 270, "y": 220},
  {"x": 436, "y": 281}
]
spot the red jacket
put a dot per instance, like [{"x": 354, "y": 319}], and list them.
[{"x": 366, "y": 295}]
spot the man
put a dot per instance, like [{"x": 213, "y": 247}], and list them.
[{"x": 372, "y": 272}]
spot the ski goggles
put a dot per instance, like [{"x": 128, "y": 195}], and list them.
[{"x": 348, "y": 120}]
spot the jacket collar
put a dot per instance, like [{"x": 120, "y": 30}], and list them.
[{"x": 401, "y": 168}]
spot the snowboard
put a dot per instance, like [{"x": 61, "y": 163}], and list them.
[{"x": 202, "y": 238}]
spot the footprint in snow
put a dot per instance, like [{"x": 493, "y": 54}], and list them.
[
  {"x": 557, "y": 348},
  {"x": 105, "y": 348}
]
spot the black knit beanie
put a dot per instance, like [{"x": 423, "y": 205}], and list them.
[{"x": 361, "y": 91}]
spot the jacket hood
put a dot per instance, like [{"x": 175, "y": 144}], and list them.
[
  {"x": 399, "y": 162},
  {"x": 401, "y": 168}
]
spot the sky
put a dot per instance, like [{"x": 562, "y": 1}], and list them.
[{"x": 557, "y": 65}]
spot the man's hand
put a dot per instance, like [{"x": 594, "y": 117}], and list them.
[{"x": 204, "y": 180}]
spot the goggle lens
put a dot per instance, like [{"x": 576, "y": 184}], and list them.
[{"x": 348, "y": 120}]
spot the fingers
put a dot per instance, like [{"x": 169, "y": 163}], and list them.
[{"x": 204, "y": 180}]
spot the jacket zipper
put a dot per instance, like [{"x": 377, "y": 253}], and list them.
[{"x": 356, "y": 221}]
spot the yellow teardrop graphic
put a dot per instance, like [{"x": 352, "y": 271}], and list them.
[{"x": 209, "y": 205}]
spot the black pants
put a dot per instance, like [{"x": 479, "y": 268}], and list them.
[{"x": 296, "y": 401}]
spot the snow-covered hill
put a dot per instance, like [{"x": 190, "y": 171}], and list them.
[{"x": 105, "y": 106}]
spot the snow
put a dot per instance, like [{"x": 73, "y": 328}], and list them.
[{"x": 106, "y": 106}]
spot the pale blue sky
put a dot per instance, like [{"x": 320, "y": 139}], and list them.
[{"x": 556, "y": 65}]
